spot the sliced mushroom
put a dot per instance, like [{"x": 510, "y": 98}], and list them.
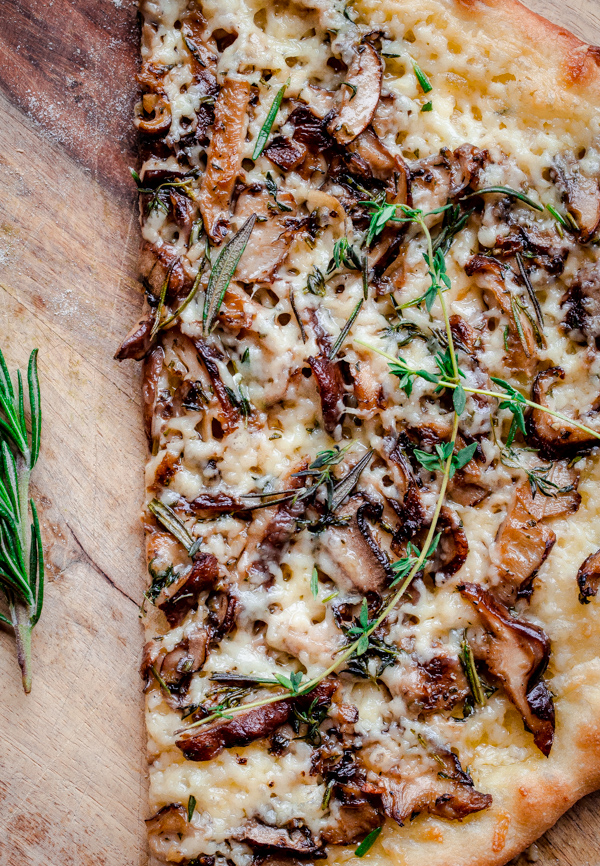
[
  {"x": 170, "y": 820},
  {"x": 350, "y": 553},
  {"x": 224, "y": 157},
  {"x": 154, "y": 408},
  {"x": 410, "y": 510},
  {"x": 294, "y": 837},
  {"x": 138, "y": 341},
  {"x": 368, "y": 390},
  {"x": 270, "y": 536},
  {"x": 222, "y": 608},
  {"x": 588, "y": 577},
  {"x": 153, "y": 115},
  {"x": 430, "y": 685},
  {"x": 362, "y": 90},
  {"x": 175, "y": 668},
  {"x": 350, "y": 820},
  {"x": 272, "y": 235},
  {"x": 516, "y": 653},
  {"x": 554, "y": 438},
  {"x": 453, "y": 548},
  {"x": 209, "y": 505},
  {"x": 580, "y": 193},
  {"x": 542, "y": 248},
  {"x": 436, "y": 784},
  {"x": 181, "y": 596},
  {"x": 285, "y": 153},
  {"x": 582, "y": 302},
  {"x": 331, "y": 390},
  {"x": 310, "y": 129},
  {"x": 521, "y": 354},
  {"x": 230, "y": 417},
  {"x": 205, "y": 743},
  {"x": 466, "y": 164}
]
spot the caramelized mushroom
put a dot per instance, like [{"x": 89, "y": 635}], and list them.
[
  {"x": 203, "y": 744},
  {"x": 351, "y": 820},
  {"x": 181, "y": 596},
  {"x": 286, "y": 154},
  {"x": 436, "y": 784},
  {"x": 153, "y": 115},
  {"x": 453, "y": 547},
  {"x": 521, "y": 355},
  {"x": 138, "y": 341},
  {"x": 362, "y": 90},
  {"x": 170, "y": 820},
  {"x": 516, "y": 654},
  {"x": 588, "y": 577},
  {"x": 554, "y": 438},
  {"x": 271, "y": 237},
  {"x": 580, "y": 193},
  {"x": 210, "y": 355},
  {"x": 427, "y": 686},
  {"x": 185, "y": 659},
  {"x": 294, "y": 838},
  {"x": 331, "y": 390},
  {"x": 224, "y": 157},
  {"x": 582, "y": 301},
  {"x": 151, "y": 372}
]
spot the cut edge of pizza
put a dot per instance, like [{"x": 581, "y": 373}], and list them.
[{"x": 370, "y": 388}]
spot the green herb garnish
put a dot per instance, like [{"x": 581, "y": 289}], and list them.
[
  {"x": 222, "y": 272},
  {"x": 368, "y": 842},
  {"x": 265, "y": 129}
]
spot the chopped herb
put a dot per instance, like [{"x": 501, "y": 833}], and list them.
[
  {"x": 344, "y": 487},
  {"x": 468, "y": 663},
  {"x": 291, "y": 683},
  {"x": 505, "y": 336},
  {"x": 314, "y": 582},
  {"x": 165, "y": 515},
  {"x": 296, "y": 316},
  {"x": 558, "y": 217},
  {"x": 428, "y": 106},
  {"x": 330, "y": 596},
  {"x": 160, "y": 580},
  {"x": 368, "y": 842},
  {"x": 191, "y": 807},
  {"x": 530, "y": 291},
  {"x": 315, "y": 283},
  {"x": 265, "y": 129},
  {"x": 222, "y": 272},
  {"x": 273, "y": 190},
  {"x": 426, "y": 85},
  {"x": 344, "y": 332},
  {"x": 245, "y": 356},
  {"x": 436, "y": 461},
  {"x": 537, "y": 475},
  {"x": 312, "y": 718},
  {"x": 352, "y": 87},
  {"x": 403, "y": 566}
]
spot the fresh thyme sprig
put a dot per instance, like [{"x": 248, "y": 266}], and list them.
[
  {"x": 21, "y": 554},
  {"x": 185, "y": 186},
  {"x": 537, "y": 474}
]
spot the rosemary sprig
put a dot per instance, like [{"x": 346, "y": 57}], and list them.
[
  {"x": 467, "y": 661},
  {"x": 505, "y": 190},
  {"x": 368, "y": 842},
  {"x": 222, "y": 272},
  {"x": 165, "y": 515},
  {"x": 426, "y": 85},
  {"x": 344, "y": 332},
  {"x": 265, "y": 129},
  {"x": 21, "y": 554}
]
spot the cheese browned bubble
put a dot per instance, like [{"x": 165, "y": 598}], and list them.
[{"x": 494, "y": 93}]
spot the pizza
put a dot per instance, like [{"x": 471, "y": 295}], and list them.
[{"x": 370, "y": 351}]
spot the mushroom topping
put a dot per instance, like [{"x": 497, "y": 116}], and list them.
[
  {"x": 434, "y": 783},
  {"x": 524, "y": 542},
  {"x": 588, "y": 577},
  {"x": 138, "y": 341},
  {"x": 580, "y": 193},
  {"x": 174, "y": 669},
  {"x": 410, "y": 510},
  {"x": 428, "y": 686},
  {"x": 351, "y": 553},
  {"x": 271, "y": 237},
  {"x": 170, "y": 820},
  {"x": 224, "y": 157},
  {"x": 210, "y": 355},
  {"x": 554, "y": 438},
  {"x": 516, "y": 653},
  {"x": 153, "y": 115},
  {"x": 582, "y": 301},
  {"x": 350, "y": 819},
  {"x": 453, "y": 547},
  {"x": 273, "y": 540},
  {"x": 255, "y": 724},
  {"x": 521, "y": 355},
  {"x": 181, "y": 596},
  {"x": 294, "y": 837},
  {"x": 286, "y": 154},
  {"x": 331, "y": 391},
  {"x": 151, "y": 372},
  {"x": 368, "y": 390},
  {"x": 362, "y": 90},
  {"x": 222, "y": 609},
  {"x": 209, "y": 505}
]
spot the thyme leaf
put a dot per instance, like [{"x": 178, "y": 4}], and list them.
[
  {"x": 368, "y": 842},
  {"x": 273, "y": 191}
]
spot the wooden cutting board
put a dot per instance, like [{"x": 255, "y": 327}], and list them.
[{"x": 72, "y": 784}]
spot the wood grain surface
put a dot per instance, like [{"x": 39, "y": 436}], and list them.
[{"x": 72, "y": 784}]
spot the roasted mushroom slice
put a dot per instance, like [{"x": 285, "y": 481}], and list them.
[
  {"x": 173, "y": 670},
  {"x": 427, "y": 685},
  {"x": 171, "y": 820},
  {"x": 181, "y": 596},
  {"x": 153, "y": 407},
  {"x": 224, "y": 157},
  {"x": 331, "y": 391},
  {"x": 554, "y": 437},
  {"x": 153, "y": 115},
  {"x": 351, "y": 553},
  {"x": 285, "y": 153},
  {"x": 588, "y": 577},
  {"x": 293, "y": 838},
  {"x": 434, "y": 783},
  {"x": 138, "y": 341},
  {"x": 272, "y": 235},
  {"x": 582, "y": 302},
  {"x": 580, "y": 193},
  {"x": 453, "y": 548},
  {"x": 362, "y": 90},
  {"x": 521, "y": 352},
  {"x": 516, "y": 653},
  {"x": 230, "y": 414}
]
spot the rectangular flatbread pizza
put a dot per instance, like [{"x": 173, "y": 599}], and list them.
[{"x": 371, "y": 377}]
